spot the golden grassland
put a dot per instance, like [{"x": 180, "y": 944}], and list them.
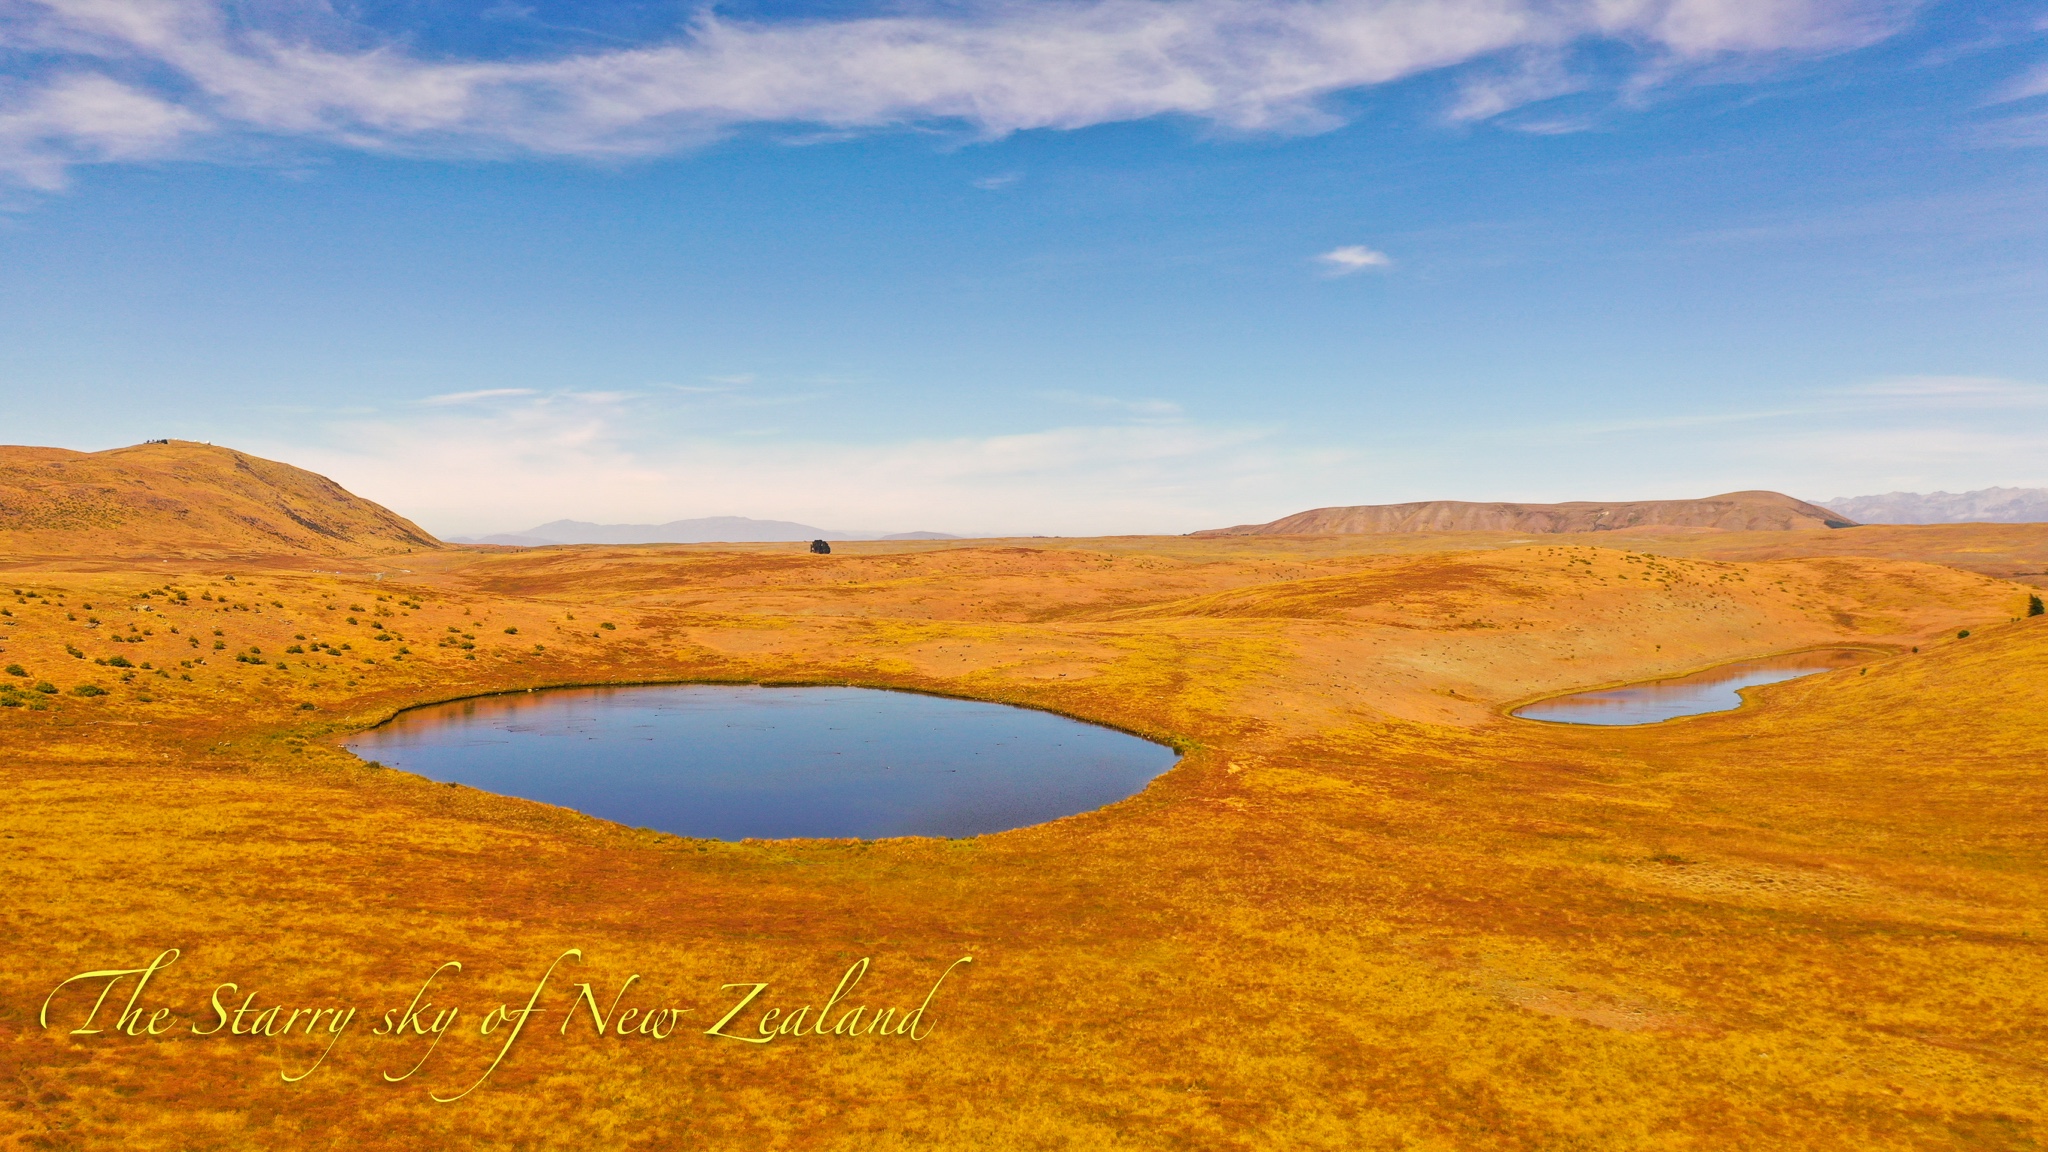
[{"x": 1367, "y": 910}]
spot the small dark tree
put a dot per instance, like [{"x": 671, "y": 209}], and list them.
[
  {"x": 2034, "y": 607},
  {"x": 821, "y": 548}
]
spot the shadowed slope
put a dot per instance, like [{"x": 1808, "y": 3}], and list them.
[
  {"x": 179, "y": 498},
  {"x": 1732, "y": 511}
]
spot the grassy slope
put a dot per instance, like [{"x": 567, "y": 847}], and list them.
[
  {"x": 1366, "y": 911},
  {"x": 188, "y": 500}
]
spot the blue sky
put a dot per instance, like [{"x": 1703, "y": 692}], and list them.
[{"x": 1073, "y": 268}]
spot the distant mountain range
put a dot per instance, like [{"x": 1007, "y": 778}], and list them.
[
  {"x": 703, "y": 530},
  {"x": 1731, "y": 511},
  {"x": 1986, "y": 505}
]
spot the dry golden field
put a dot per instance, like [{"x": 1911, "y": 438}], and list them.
[{"x": 1367, "y": 910}]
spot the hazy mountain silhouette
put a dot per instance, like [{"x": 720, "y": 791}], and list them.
[
  {"x": 1985, "y": 505},
  {"x": 702, "y": 530}
]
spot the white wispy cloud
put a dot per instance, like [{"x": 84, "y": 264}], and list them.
[
  {"x": 1350, "y": 258},
  {"x": 1146, "y": 408},
  {"x": 84, "y": 118},
  {"x": 1535, "y": 76},
  {"x": 509, "y": 467},
  {"x": 1953, "y": 391},
  {"x": 478, "y": 394},
  {"x": 989, "y": 66},
  {"x": 2032, "y": 84}
]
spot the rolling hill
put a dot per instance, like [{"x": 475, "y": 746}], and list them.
[
  {"x": 181, "y": 498},
  {"x": 1733, "y": 511}
]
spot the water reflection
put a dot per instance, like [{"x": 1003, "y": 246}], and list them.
[
  {"x": 1714, "y": 690},
  {"x": 735, "y": 762}
]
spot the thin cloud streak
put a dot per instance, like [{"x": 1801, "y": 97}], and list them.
[
  {"x": 995, "y": 68},
  {"x": 1352, "y": 258},
  {"x": 479, "y": 394},
  {"x": 507, "y": 466},
  {"x": 1954, "y": 391},
  {"x": 510, "y": 468}
]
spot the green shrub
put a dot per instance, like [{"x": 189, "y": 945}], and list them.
[
  {"x": 74, "y": 653},
  {"x": 118, "y": 662},
  {"x": 1963, "y": 635},
  {"x": 609, "y": 627},
  {"x": 2034, "y": 607},
  {"x": 511, "y": 631},
  {"x": 88, "y": 690},
  {"x": 46, "y": 688},
  {"x": 16, "y": 670}
]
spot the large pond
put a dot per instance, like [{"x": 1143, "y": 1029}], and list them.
[
  {"x": 729, "y": 763},
  {"x": 1714, "y": 690}
]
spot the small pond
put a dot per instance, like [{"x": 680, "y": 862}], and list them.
[
  {"x": 729, "y": 763},
  {"x": 1714, "y": 690}
]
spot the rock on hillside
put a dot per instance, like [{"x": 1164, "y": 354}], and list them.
[
  {"x": 1733, "y": 511},
  {"x": 180, "y": 498}
]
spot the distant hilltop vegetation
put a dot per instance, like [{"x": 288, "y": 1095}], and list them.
[
  {"x": 1984, "y": 506},
  {"x": 1733, "y": 511},
  {"x": 181, "y": 498}
]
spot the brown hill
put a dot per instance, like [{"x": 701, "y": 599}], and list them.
[
  {"x": 180, "y": 498},
  {"x": 1732, "y": 511}
]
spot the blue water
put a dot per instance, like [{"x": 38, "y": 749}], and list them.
[
  {"x": 729, "y": 763},
  {"x": 1714, "y": 690}
]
